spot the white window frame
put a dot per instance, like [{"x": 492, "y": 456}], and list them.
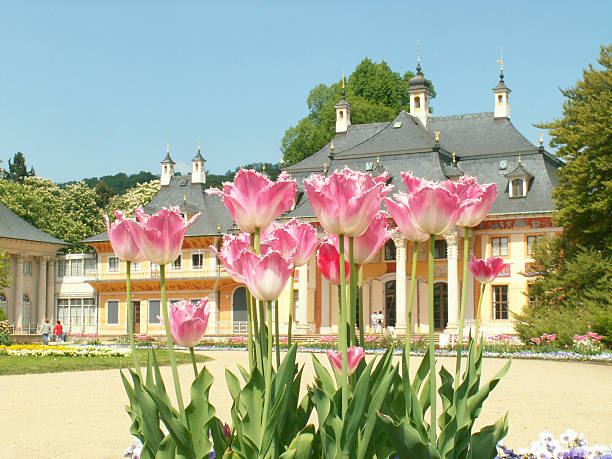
[
  {"x": 151, "y": 316},
  {"x": 117, "y": 268},
  {"x": 523, "y": 188},
  {"x": 500, "y": 254},
  {"x": 201, "y": 266},
  {"x": 180, "y": 263}
]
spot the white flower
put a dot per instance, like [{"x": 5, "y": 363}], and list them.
[
  {"x": 568, "y": 436},
  {"x": 546, "y": 436}
]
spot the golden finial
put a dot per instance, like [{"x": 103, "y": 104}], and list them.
[
  {"x": 343, "y": 80},
  {"x": 454, "y": 158},
  {"x": 331, "y": 147},
  {"x": 541, "y": 139},
  {"x": 520, "y": 159},
  {"x": 198, "y": 147},
  {"x": 282, "y": 161},
  {"x": 168, "y": 149},
  {"x": 184, "y": 199},
  {"x": 501, "y": 59},
  {"x": 437, "y": 136},
  {"x": 263, "y": 168},
  {"x": 418, "y": 51},
  {"x": 378, "y": 159},
  {"x": 325, "y": 168},
  {"x": 218, "y": 228},
  {"x": 290, "y": 177}
]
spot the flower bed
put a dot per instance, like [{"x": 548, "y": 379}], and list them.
[
  {"x": 570, "y": 445},
  {"x": 64, "y": 351}
]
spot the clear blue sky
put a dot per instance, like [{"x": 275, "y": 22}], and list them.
[{"x": 94, "y": 88}]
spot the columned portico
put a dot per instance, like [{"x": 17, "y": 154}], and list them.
[
  {"x": 301, "y": 313},
  {"x": 452, "y": 253},
  {"x": 18, "y": 302},
  {"x": 41, "y": 303},
  {"x": 400, "y": 281}
]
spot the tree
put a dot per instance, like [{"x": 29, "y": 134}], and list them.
[
  {"x": 139, "y": 195},
  {"x": 375, "y": 92},
  {"x": 103, "y": 194},
  {"x": 18, "y": 170},
  {"x": 584, "y": 138},
  {"x": 70, "y": 214},
  {"x": 571, "y": 294}
]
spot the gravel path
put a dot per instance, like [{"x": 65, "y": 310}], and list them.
[{"x": 81, "y": 414}]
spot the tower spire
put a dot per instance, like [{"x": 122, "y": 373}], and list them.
[
  {"x": 418, "y": 67},
  {"x": 501, "y": 92},
  {"x": 343, "y": 111},
  {"x": 501, "y": 65}
]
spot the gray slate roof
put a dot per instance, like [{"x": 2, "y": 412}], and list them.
[
  {"x": 12, "y": 226},
  {"x": 191, "y": 199},
  {"x": 480, "y": 141}
]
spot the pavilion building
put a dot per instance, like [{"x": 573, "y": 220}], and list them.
[{"x": 484, "y": 145}]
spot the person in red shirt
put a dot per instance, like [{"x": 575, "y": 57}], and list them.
[{"x": 57, "y": 331}]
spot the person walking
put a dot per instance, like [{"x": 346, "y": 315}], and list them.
[
  {"x": 374, "y": 320},
  {"x": 381, "y": 321},
  {"x": 45, "y": 330},
  {"x": 58, "y": 331}
]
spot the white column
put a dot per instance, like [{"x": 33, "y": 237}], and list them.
[
  {"x": 400, "y": 281},
  {"x": 301, "y": 314},
  {"x": 41, "y": 303},
  {"x": 51, "y": 288},
  {"x": 212, "y": 320},
  {"x": 325, "y": 313},
  {"x": 19, "y": 294},
  {"x": 452, "y": 252},
  {"x": 469, "y": 299}
]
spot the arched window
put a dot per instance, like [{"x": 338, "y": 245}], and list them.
[
  {"x": 239, "y": 310},
  {"x": 500, "y": 99},
  {"x": 417, "y": 102},
  {"x": 390, "y": 250},
  {"x": 518, "y": 188},
  {"x": 389, "y": 317},
  {"x": 341, "y": 113}
]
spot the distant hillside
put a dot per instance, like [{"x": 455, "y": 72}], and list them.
[{"x": 118, "y": 183}]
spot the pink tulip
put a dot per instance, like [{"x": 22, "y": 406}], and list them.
[
  {"x": 230, "y": 254},
  {"x": 265, "y": 275},
  {"x": 345, "y": 202},
  {"x": 306, "y": 238},
  {"x": 160, "y": 236},
  {"x": 367, "y": 246},
  {"x": 399, "y": 211},
  {"x": 328, "y": 262},
  {"x": 254, "y": 200},
  {"x": 483, "y": 197},
  {"x": 120, "y": 235},
  {"x": 276, "y": 237},
  {"x": 486, "y": 271},
  {"x": 433, "y": 208},
  {"x": 188, "y": 321},
  {"x": 354, "y": 355}
]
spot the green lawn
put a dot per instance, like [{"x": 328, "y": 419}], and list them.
[{"x": 18, "y": 365}]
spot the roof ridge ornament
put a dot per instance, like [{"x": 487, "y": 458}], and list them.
[
  {"x": 501, "y": 64},
  {"x": 418, "y": 67},
  {"x": 454, "y": 159}
]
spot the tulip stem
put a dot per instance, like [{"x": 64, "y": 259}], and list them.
[
  {"x": 432, "y": 349},
  {"x": 249, "y": 332},
  {"x": 361, "y": 319},
  {"x": 290, "y": 309},
  {"x": 482, "y": 288},
  {"x": 193, "y": 362},
  {"x": 466, "y": 243},
  {"x": 353, "y": 294},
  {"x": 277, "y": 332},
  {"x": 252, "y": 310},
  {"x": 410, "y": 301},
  {"x": 128, "y": 287},
  {"x": 268, "y": 369},
  {"x": 342, "y": 328},
  {"x": 177, "y": 383}
]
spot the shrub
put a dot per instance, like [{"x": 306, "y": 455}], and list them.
[
  {"x": 5, "y": 332},
  {"x": 572, "y": 294}
]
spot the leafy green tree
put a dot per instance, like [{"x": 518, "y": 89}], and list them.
[
  {"x": 103, "y": 194},
  {"x": 139, "y": 195},
  {"x": 584, "y": 140},
  {"x": 17, "y": 170},
  {"x": 118, "y": 183},
  {"x": 70, "y": 214},
  {"x": 571, "y": 294},
  {"x": 375, "y": 92}
]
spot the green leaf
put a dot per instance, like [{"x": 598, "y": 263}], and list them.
[
  {"x": 167, "y": 449},
  {"x": 355, "y": 411},
  {"x": 475, "y": 402},
  {"x": 233, "y": 384},
  {"x": 325, "y": 380},
  {"x": 484, "y": 442},
  {"x": 200, "y": 412},
  {"x": 406, "y": 440}
]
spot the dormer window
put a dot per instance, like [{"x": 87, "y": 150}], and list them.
[
  {"x": 500, "y": 99},
  {"x": 341, "y": 114},
  {"x": 517, "y": 188},
  {"x": 417, "y": 102}
]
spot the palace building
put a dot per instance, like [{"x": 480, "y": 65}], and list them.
[{"x": 484, "y": 145}]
